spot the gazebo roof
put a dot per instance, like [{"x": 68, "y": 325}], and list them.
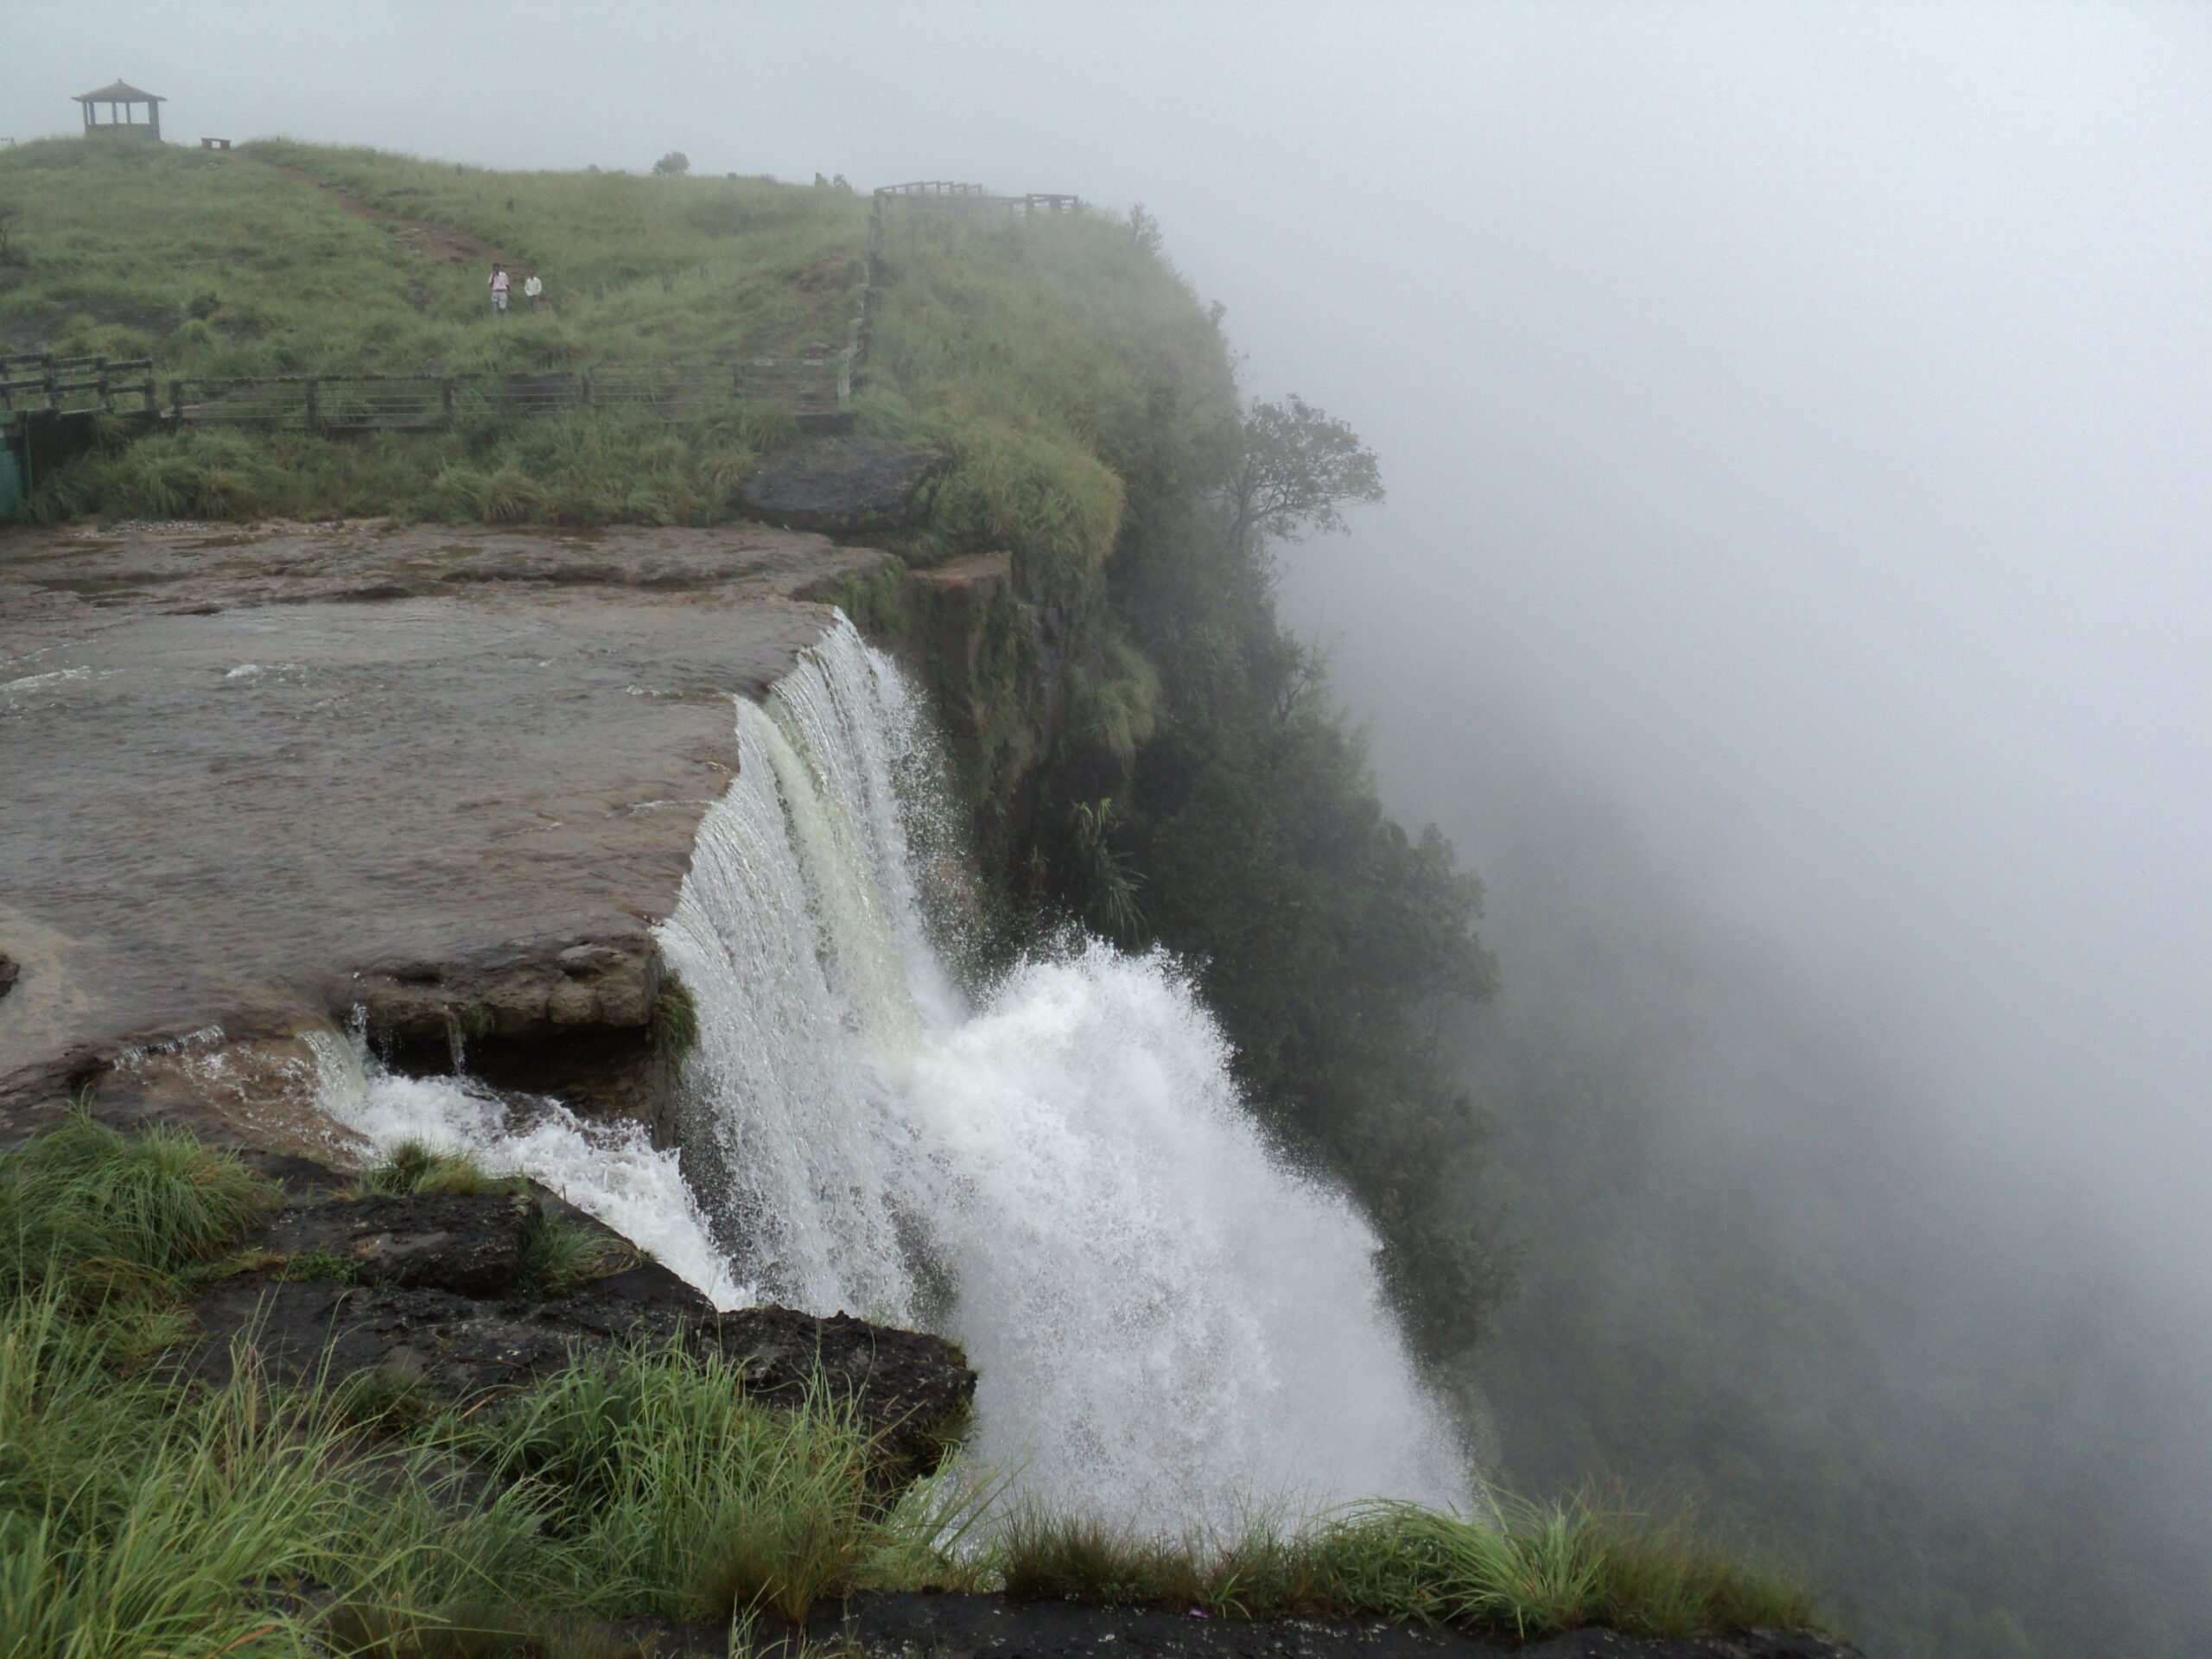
[{"x": 120, "y": 92}]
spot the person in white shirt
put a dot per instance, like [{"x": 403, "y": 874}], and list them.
[
  {"x": 498, "y": 287},
  {"x": 531, "y": 288}
]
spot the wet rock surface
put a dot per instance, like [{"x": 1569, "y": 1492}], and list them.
[
  {"x": 954, "y": 1626},
  {"x": 992, "y": 1627},
  {"x": 427, "y": 1287},
  {"x": 261, "y": 776},
  {"x": 439, "y": 1240},
  {"x": 843, "y": 487}
]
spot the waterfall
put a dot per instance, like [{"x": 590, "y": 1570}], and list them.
[
  {"x": 1172, "y": 1326},
  {"x": 1167, "y": 1319}
]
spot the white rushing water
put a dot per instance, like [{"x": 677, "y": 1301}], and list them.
[
  {"x": 1169, "y": 1323},
  {"x": 1171, "y": 1326},
  {"x": 610, "y": 1169}
]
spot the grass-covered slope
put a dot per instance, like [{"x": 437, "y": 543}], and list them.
[
  {"x": 289, "y": 258},
  {"x": 293, "y": 259}
]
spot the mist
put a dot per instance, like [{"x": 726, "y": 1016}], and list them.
[{"x": 1791, "y": 595}]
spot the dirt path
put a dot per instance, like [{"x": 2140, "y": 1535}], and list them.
[{"x": 441, "y": 243}]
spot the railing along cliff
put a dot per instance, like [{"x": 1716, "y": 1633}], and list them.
[
  {"x": 815, "y": 389},
  {"x": 940, "y": 200}
]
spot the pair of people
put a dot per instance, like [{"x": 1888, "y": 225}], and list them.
[{"x": 531, "y": 288}]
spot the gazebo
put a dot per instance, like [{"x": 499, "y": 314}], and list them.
[{"x": 121, "y": 99}]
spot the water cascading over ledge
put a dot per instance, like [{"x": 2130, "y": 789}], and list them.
[{"x": 1170, "y": 1324}]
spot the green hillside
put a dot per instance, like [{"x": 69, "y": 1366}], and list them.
[{"x": 282, "y": 257}]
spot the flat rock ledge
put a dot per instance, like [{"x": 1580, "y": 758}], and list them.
[
  {"x": 428, "y": 1288},
  {"x": 443, "y": 782}
]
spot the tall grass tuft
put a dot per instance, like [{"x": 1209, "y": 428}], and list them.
[
  {"x": 668, "y": 1489},
  {"x": 101, "y": 1213},
  {"x": 416, "y": 1166},
  {"x": 135, "y": 1522}
]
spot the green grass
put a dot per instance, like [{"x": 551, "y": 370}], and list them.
[
  {"x": 671, "y": 1491},
  {"x": 1533, "y": 1570},
  {"x": 416, "y": 1166},
  {"x": 288, "y": 257},
  {"x": 137, "y": 1520},
  {"x": 100, "y": 1215}
]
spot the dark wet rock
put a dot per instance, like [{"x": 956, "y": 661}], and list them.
[
  {"x": 471, "y": 1243},
  {"x": 911, "y": 1386},
  {"x": 913, "y": 1389},
  {"x": 843, "y": 487},
  {"x": 9, "y": 972},
  {"x": 991, "y": 1627},
  {"x": 302, "y": 1180},
  {"x": 426, "y": 1285}
]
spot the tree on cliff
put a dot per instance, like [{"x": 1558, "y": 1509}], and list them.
[
  {"x": 1296, "y": 469},
  {"x": 1324, "y": 936},
  {"x": 672, "y": 165}
]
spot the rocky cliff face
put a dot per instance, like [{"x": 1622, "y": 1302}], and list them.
[{"x": 441, "y": 781}]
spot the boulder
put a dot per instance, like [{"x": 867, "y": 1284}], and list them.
[
  {"x": 426, "y": 1287},
  {"x": 470, "y": 1244},
  {"x": 843, "y": 487}
]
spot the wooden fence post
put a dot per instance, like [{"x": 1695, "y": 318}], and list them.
[
  {"x": 313, "y": 413},
  {"x": 445, "y": 397}
]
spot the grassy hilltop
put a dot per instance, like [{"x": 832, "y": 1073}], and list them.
[
  {"x": 1037, "y": 372},
  {"x": 281, "y": 259}
]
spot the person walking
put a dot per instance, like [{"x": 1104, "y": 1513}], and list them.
[
  {"x": 499, "y": 288},
  {"x": 531, "y": 288}
]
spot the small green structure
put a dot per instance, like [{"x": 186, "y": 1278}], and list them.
[
  {"x": 121, "y": 99},
  {"x": 11, "y": 476}
]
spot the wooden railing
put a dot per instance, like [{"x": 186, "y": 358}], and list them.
[
  {"x": 59, "y": 386},
  {"x": 970, "y": 201},
  {"x": 811, "y": 388}
]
